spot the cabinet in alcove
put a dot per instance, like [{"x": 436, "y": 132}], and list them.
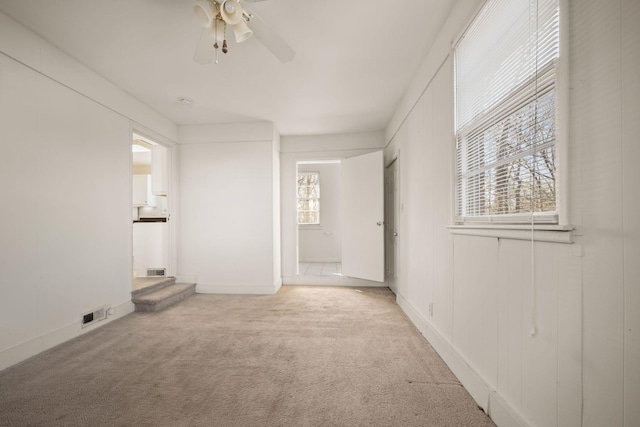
[{"x": 142, "y": 195}]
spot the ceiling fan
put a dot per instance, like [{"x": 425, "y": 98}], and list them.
[{"x": 216, "y": 15}]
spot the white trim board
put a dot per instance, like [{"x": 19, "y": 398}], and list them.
[
  {"x": 559, "y": 235},
  {"x": 331, "y": 281},
  {"x": 21, "y": 352},
  {"x": 239, "y": 289}
]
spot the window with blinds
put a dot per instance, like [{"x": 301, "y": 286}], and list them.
[
  {"x": 308, "y": 198},
  {"x": 506, "y": 113}
]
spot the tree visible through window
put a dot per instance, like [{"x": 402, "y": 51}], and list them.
[
  {"x": 308, "y": 198},
  {"x": 506, "y": 109}
]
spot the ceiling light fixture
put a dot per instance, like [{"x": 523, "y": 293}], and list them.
[{"x": 215, "y": 15}]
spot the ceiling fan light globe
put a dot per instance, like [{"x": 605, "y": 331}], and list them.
[
  {"x": 242, "y": 31},
  {"x": 231, "y": 12},
  {"x": 204, "y": 12}
]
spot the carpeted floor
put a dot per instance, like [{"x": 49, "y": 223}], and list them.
[{"x": 307, "y": 356}]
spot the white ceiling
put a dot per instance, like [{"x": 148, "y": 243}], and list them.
[{"x": 355, "y": 58}]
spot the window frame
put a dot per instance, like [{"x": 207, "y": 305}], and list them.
[
  {"x": 553, "y": 222},
  {"x": 298, "y": 199}
]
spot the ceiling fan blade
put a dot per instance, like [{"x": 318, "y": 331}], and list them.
[
  {"x": 272, "y": 41},
  {"x": 204, "y": 51}
]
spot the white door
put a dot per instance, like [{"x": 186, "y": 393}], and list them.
[{"x": 362, "y": 200}]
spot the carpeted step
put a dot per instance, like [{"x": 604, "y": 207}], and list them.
[
  {"x": 164, "y": 297},
  {"x": 152, "y": 284}
]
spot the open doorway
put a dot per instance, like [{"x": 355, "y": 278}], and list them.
[
  {"x": 392, "y": 222},
  {"x": 319, "y": 218},
  {"x": 361, "y": 220},
  {"x": 150, "y": 211}
]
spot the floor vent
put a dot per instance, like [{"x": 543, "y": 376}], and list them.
[
  {"x": 156, "y": 272},
  {"x": 94, "y": 316}
]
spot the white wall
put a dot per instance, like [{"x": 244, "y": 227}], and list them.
[
  {"x": 227, "y": 241},
  {"x": 65, "y": 138},
  {"x": 296, "y": 148},
  {"x": 605, "y": 43},
  {"x": 323, "y": 242},
  {"x": 582, "y": 366}
]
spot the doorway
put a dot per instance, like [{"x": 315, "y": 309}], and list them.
[
  {"x": 391, "y": 206},
  {"x": 150, "y": 211},
  {"x": 361, "y": 218},
  {"x": 319, "y": 219}
]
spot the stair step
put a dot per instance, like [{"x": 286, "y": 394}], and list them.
[
  {"x": 158, "y": 283},
  {"x": 164, "y": 297}
]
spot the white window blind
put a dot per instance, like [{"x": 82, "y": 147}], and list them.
[
  {"x": 308, "y": 198},
  {"x": 506, "y": 113}
]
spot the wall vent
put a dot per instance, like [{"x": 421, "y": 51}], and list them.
[
  {"x": 156, "y": 272},
  {"x": 94, "y": 316}
]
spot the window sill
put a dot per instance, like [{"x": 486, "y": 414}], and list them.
[
  {"x": 310, "y": 227},
  {"x": 541, "y": 232}
]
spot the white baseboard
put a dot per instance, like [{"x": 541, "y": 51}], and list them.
[
  {"x": 485, "y": 396},
  {"x": 278, "y": 285},
  {"x": 320, "y": 260},
  {"x": 331, "y": 281},
  {"x": 238, "y": 289},
  {"x": 186, "y": 278},
  {"x": 20, "y": 352}
]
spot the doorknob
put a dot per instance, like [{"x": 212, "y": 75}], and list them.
[
  {"x": 395, "y": 234},
  {"x": 379, "y": 223}
]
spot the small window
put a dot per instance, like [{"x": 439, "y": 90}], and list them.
[
  {"x": 506, "y": 113},
  {"x": 308, "y": 198}
]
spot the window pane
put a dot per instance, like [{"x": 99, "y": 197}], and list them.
[
  {"x": 308, "y": 205},
  {"x": 526, "y": 184},
  {"x": 308, "y": 217},
  {"x": 530, "y": 126},
  {"x": 508, "y": 43},
  {"x": 506, "y": 112},
  {"x": 308, "y": 193}
]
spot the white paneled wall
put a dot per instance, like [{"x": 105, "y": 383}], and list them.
[
  {"x": 597, "y": 133},
  {"x": 542, "y": 334},
  {"x": 487, "y": 294},
  {"x": 605, "y": 61},
  {"x": 630, "y": 41}
]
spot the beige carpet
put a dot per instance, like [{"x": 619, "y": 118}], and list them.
[{"x": 308, "y": 356}]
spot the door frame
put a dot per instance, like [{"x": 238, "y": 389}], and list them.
[
  {"x": 172, "y": 169},
  {"x": 307, "y": 161},
  {"x": 288, "y": 212},
  {"x": 392, "y": 236}
]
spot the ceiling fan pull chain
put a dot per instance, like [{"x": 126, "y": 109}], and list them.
[
  {"x": 224, "y": 42},
  {"x": 215, "y": 44}
]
